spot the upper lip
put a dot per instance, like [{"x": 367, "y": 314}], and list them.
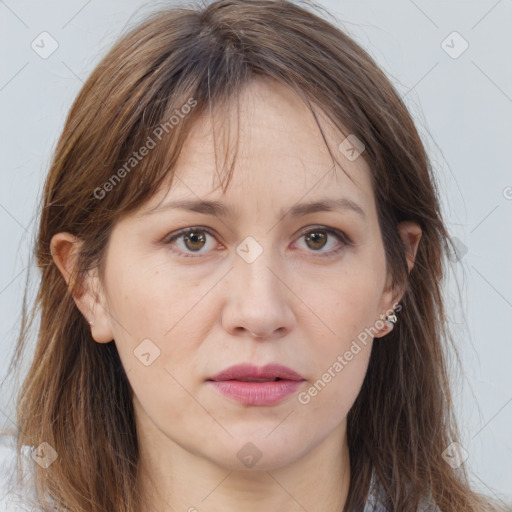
[{"x": 250, "y": 371}]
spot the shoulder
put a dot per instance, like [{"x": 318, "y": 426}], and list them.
[{"x": 16, "y": 495}]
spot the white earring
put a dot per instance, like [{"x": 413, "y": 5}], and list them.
[{"x": 391, "y": 321}]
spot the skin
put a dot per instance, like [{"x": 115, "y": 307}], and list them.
[{"x": 214, "y": 309}]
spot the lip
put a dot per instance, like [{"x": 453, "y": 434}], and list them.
[
  {"x": 230, "y": 383},
  {"x": 251, "y": 371}
]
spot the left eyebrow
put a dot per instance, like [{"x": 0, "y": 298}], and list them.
[
  {"x": 221, "y": 210},
  {"x": 326, "y": 205}
]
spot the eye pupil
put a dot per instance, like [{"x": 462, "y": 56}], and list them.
[
  {"x": 315, "y": 237},
  {"x": 194, "y": 237}
]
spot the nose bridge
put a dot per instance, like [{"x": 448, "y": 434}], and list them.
[
  {"x": 253, "y": 269},
  {"x": 258, "y": 301}
]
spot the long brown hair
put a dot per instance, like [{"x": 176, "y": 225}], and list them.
[{"x": 76, "y": 395}]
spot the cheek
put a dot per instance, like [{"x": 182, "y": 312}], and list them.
[
  {"x": 342, "y": 343},
  {"x": 331, "y": 395},
  {"x": 151, "y": 299},
  {"x": 158, "y": 311},
  {"x": 343, "y": 311}
]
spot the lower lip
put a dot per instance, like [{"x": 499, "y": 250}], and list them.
[{"x": 257, "y": 393}]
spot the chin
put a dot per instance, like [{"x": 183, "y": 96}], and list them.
[{"x": 258, "y": 453}]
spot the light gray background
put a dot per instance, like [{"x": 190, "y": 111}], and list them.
[{"x": 463, "y": 109}]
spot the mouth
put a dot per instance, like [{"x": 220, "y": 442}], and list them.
[{"x": 251, "y": 385}]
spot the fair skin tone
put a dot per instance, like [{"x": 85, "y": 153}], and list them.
[{"x": 300, "y": 303}]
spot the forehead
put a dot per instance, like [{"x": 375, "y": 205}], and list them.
[{"x": 281, "y": 154}]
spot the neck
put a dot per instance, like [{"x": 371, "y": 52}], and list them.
[{"x": 172, "y": 479}]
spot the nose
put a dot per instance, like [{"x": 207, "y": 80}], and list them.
[{"x": 258, "y": 299}]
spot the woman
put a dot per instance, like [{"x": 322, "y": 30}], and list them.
[{"x": 212, "y": 339}]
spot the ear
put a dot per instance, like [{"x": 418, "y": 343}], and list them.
[
  {"x": 410, "y": 233},
  {"x": 88, "y": 294}
]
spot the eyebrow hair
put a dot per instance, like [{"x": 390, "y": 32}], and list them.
[{"x": 219, "y": 209}]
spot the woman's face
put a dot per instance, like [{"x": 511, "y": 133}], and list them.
[{"x": 273, "y": 277}]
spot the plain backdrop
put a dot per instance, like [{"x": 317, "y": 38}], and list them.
[{"x": 450, "y": 61}]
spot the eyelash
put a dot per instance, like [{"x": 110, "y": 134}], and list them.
[{"x": 340, "y": 235}]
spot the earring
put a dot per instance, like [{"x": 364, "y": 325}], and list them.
[
  {"x": 391, "y": 321},
  {"x": 91, "y": 323}
]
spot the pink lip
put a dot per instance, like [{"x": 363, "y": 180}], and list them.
[{"x": 229, "y": 383}]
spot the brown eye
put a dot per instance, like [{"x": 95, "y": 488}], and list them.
[
  {"x": 316, "y": 239},
  {"x": 194, "y": 240},
  {"x": 190, "y": 241}
]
